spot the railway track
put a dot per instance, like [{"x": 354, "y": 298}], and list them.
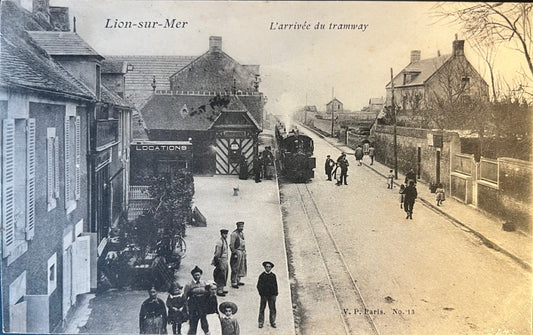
[{"x": 353, "y": 311}]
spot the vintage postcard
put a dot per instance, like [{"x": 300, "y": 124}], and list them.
[{"x": 266, "y": 167}]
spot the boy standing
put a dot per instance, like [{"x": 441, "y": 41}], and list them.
[{"x": 267, "y": 286}]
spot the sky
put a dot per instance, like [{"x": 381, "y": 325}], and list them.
[{"x": 298, "y": 66}]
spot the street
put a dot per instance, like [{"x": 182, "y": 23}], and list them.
[{"x": 420, "y": 276}]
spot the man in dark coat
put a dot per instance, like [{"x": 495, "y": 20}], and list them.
[
  {"x": 153, "y": 315},
  {"x": 220, "y": 261},
  {"x": 358, "y": 154},
  {"x": 342, "y": 162},
  {"x": 409, "y": 199},
  {"x": 267, "y": 286},
  {"x": 329, "y": 166},
  {"x": 195, "y": 294},
  {"x": 268, "y": 163},
  {"x": 410, "y": 176}
]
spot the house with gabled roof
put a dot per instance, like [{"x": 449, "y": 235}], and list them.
[
  {"x": 60, "y": 128},
  {"x": 425, "y": 82},
  {"x": 203, "y": 100}
]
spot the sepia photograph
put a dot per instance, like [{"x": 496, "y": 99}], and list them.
[{"x": 266, "y": 167}]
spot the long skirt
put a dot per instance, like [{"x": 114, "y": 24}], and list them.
[{"x": 154, "y": 326}]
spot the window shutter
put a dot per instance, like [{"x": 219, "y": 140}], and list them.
[
  {"x": 56, "y": 167},
  {"x": 67, "y": 160},
  {"x": 50, "y": 169},
  {"x": 8, "y": 186},
  {"x": 78, "y": 157},
  {"x": 30, "y": 178}
]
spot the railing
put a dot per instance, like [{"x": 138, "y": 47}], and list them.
[
  {"x": 140, "y": 192},
  {"x": 463, "y": 164},
  {"x": 106, "y": 132},
  {"x": 206, "y": 93},
  {"x": 140, "y": 200},
  {"x": 488, "y": 170}
]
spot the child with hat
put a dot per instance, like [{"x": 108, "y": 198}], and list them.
[
  {"x": 267, "y": 286},
  {"x": 229, "y": 325}
]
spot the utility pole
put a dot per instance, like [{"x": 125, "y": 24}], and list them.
[
  {"x": 394, "y": 131},
  {"x": 305, "y": 110},
  {"x": 332, "y": 110}
]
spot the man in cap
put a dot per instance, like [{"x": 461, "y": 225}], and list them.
[
  {"x": 220, "y": 262},
  {"x": 238, "y": 255},
  {"x": 195, "y": 295},
  {"x": 267, "y": 286},
  {"x": 329, "y": 166}
]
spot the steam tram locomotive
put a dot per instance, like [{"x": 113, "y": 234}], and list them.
[{"x": 295, "y": 153}]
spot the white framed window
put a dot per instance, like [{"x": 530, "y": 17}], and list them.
[{"x": 52, "y": 274}]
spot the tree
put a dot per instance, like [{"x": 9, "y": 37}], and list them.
[{"x": 494, "y": 23}]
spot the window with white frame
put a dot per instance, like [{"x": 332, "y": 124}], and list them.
[
  {"x": 52, "y": 274},
  {"x": 17, "y": 183}
]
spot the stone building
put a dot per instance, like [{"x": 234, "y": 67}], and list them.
[
  {"x": 444, "y": 80},
  {"x": 53, "y": 132}
]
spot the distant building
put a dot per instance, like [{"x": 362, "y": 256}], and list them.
[
  {"x": 445, "y": 77},
  {"x": 334, "y": 106}
]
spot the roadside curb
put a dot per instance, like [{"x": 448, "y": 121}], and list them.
[{"x": 486, "y": 241}]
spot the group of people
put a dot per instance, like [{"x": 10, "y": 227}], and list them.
[
  {"x": 341, "y": 165},
  {"x": 197, "y": 301},
  {"x": 263, "y": 165}
]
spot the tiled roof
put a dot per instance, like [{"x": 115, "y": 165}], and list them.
[
  {"x": 60, "y": 43},
  {"x": 421, "y": 71},
  {"x": 139, "y": 79},
  {"x": 23, "y": 66},
  {"x": 164, "y": 112},
  {"x": 26, "y": 66},
  {"x": 214, "y": 71},
  {"x": 110, "y": 97}
]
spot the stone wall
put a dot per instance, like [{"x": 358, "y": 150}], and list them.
[
  {"x": 415, "y": 150},
  {"x": 510, "y": 198}
]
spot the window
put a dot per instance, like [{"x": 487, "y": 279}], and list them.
[
  {"x": 72, "y": 161},
  {"x": 52, "y": 168},
  {"x": 52, "y": 274},
  {"x": 18, "y": 184}
]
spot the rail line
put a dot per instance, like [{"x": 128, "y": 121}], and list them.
[{"x": 352, "y": 308}]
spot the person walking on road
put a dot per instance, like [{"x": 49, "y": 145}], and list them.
[
  {"x": 268, "y": 163},
  {"x": 267, "y": 286},
  {"x": 358, "y": 155},
  {"x": 195, "y": 295},
  {"x": 177, "y": 310},
  {"x": 410, "y": 176},
  {"x": 409, "y": 200},
  {"x": 220, "y": 262},
  {"x": 153, "y": 315},
  {"x": 257, "y": 165},
  {"x": 229, "y": 325},
  {"x": 329, "y": 166},
  {"x": 238, "y": 255},
  {"x": 371, "y": 152},
  {"x": 342, "y": 162}
]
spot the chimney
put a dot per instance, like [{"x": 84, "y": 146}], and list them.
[
  {"x": 41, "y": 8},
  {"x": 415, "y": 56},
  {"x": 59, "y": 18},
  {"x": 215, "y": 44},
  {"x": 458, "y": 47}
]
